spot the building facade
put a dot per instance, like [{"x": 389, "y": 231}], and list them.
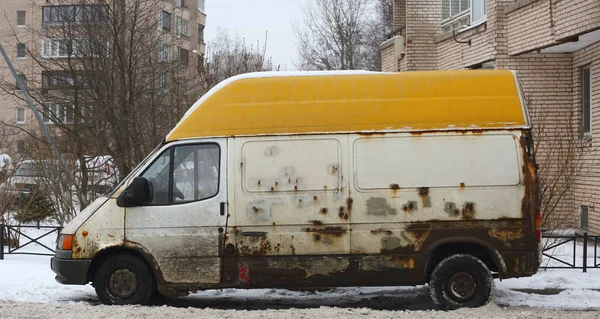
[
  {"x": 554, "y": 46},
  {"x": 26, "y": 37}
]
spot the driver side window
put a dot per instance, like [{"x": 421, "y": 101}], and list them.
[
  {"x": 184, "y": 173},
  {"x": 158, "y": 177}
]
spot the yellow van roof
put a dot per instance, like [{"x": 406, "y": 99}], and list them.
[{"x": 350, "y": 101}]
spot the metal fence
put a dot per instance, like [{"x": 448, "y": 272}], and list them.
[
  {"x": 15, "y": 232},
  {"x": 575, "y": 260}
]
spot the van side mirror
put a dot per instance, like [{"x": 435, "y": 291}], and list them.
[{"x": 136, "y": 194}]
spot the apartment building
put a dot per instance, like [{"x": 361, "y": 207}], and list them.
[
  {"x": 554, "y": 45},
  {"x": 25, "y": 27}
]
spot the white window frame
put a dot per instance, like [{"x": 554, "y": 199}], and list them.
[
  {"x": 182, "y": 27},
  {"x": 161, "y": 18},
  {"x": 586, "y": 134},
  {"x": 164, "y": 51},
  {"x": 59, "y": 112},
  {"x": 201, "y": 5},
  {"x": 468, "y": 13},
  {"x": 181, "y": 4},
  {"x": 24, "y": 115},
  {"x": 24, "y": 19}
]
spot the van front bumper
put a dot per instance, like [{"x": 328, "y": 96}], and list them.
[{"x": 70, "y": 271}]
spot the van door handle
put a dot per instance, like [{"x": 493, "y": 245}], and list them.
[
  {"x": 254, "y": 233},
  {"x": 222, "y": 208}
]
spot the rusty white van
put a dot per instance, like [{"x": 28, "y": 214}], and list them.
[{"x": 326, "y": 179}]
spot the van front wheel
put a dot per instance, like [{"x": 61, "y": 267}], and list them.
[
  {"x": 124, "y": 280},
  {"x": 461, "y": 281}
]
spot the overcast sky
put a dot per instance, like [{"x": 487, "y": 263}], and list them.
[{"x": 250, "y": 19}]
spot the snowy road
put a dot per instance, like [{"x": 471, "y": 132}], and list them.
[
  {"x": 49, "y": 311},
  {"x": 28, "y": 290}
]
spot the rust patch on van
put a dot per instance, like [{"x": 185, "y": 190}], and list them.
[
  {"x": 315, "y": 197},
  {"x": 263, "y": 248},
  {"x": 462, "y": 184},
  {"x": 379, "y": 206},
  {"x": 424, "y": 194},
  {"x": 403, "y": 263},
  {"x": 316, "y": 222},
  {"x": 341, "y": 212},
  {"x": 324, "y": 211},
  {"x": 381, "y": 231},
  {"x": 507, "y": 236},
  {"x": 450, "y": 209},
  {"x": 410, "y": 206},
  {"x": 335, "y": 231},
  {"x": 395, "y": 186},
  {"x": 468, "y": 211},
  {"x": 349, "y": 203}
]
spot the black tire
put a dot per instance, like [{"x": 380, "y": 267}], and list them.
[
  {"x": 461, "y": 281},
  {"x": 124, "y": 280}
]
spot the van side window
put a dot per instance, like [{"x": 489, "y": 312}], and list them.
[
  {"x": 158, "y": 176},
  {"x": 196, "y": 172}
]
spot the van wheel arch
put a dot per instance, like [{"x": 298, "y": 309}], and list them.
[
  {"x": 134, "y": 251},
  {"x": 489, "y": 256}
]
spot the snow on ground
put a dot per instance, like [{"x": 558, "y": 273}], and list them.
[{"x": 25, "y": 278}]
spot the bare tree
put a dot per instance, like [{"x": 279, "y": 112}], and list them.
[
  {"x": 377, "y": 31},
  {"x": 564, "y": 156},
  {"x": 227, "y": 57},
  {"x": 111, "y": 83},
  {"x": 115, "y": 79},
  {"x": 333, "y": 36}
]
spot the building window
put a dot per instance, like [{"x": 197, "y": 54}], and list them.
[
  {"x": 61, "y": 14},
  {"x": 164, "y": 51},
  {"x": 164, "y": 83},
  {"x": 183, "y": 56},
  {"x": 20, "y": 115},
  {"x": 21, "y": 50},
  {"x": 201, "y": 5},
  {"x": 200, "y": 34},
  {"x": 164, "y": 21},
  {"x": 23, "y": 80},
  {"x": 182, "y": 3},
  {"x": 458, "y": 14},
  {"x": 21, "y": 18},
  {"x": 586, "y": 96},
  {"x": 63, "y": 48},
  {"x": 182, "y": 27},
  {"x": 56, "y": 113},
  {"x": 20, "y": 146},
  {"x": 583, "y": 216}
]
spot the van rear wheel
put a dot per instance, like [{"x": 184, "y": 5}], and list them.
[
  {"x": 461, "y": 281},
  {"x": 124, "y": 280}
]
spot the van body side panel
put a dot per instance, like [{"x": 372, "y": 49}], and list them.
[
  {"x": 290, "y": 208},
  {"x": 413, "y": 192},
  {"x": 404, "y": 195}
]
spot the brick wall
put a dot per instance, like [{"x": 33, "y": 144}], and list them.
[
  {"x": 529, "y": 27},
  {"x": 399, "y": 13},
  {"x": 587, "y": 187},
  {"x": 423, "y": 19},
  {"x": 389, "y": 63},
  {"x": 535, "y": 24}
]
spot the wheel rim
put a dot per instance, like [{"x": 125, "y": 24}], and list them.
[
  {"x": 123, "y": 283},
  {"x": 462, "y": 286}
]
